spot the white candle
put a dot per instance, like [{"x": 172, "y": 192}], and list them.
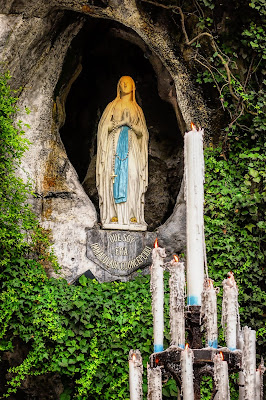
[
  {"x": 194, "y": 195},
  {"x": 230, "y": 314},
  {"x": 249, "y": 362},
  {"x": 177, "y": 302},
  {"x": 209, "y": 313},
  {"x": 241, "y": 379},
  {"x": 154, "y": 383},
  {"x": 157, "y": 289},
  {"x": 221, "y": 378},
  {"x": 135, "y": 375},
  {"x": 258, "y": 385},
  {"x": 259, "y": 381},
  {"x": 186, "y": 360}
]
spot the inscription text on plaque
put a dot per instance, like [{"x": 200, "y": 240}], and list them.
[{"x": 118, "y": 252}]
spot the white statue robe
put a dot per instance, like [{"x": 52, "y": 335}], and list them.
[{"x": 137, "y": 168}]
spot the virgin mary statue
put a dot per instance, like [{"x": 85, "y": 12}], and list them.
[{"x": 122, "y": 161}]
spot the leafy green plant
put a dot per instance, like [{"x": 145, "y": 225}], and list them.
[
  {"x": 20, "y": 233},
  {"x": 235, "y": 231}
]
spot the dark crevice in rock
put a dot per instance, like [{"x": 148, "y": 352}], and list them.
[
  {"x": 67, "y": 18},
  {"x": 55, "y": 195},
  {"x": 96, "y": 59}
]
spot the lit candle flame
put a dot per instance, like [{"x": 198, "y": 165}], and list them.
[
  {"x": 156, "y": 245},
  {"x": 222, "y": 356},
  {"x": 134, "y": 357},
  {"x": 193, "y": 127},
  {"x": 210, "y": 283},
  {"x": 231, "y": 275},
  {"x": 231, "y": 279},
  {"x": 187, "y": 346},
  {"x": 176, "y": 258}
]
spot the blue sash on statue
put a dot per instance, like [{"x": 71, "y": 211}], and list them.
[{"x": 121, "y": 167}]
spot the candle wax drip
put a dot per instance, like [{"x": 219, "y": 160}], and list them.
[
  {"x": 209, "y": 313},
  {"x": 154, "y": 383},
  {"x": 177, "y": 303},
  {"x": 230, "y": 313}
]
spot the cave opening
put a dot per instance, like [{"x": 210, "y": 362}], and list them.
[{"x": 95, "y": 61}]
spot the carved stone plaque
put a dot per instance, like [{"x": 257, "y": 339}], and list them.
[{"x": 120, "y": 252}]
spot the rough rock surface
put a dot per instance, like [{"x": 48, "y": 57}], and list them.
[
  {"x": 60, "y": 202},
  {"x": 172, "y": 233},
  {"x": 157, "y": 197},
  {"x": 34, "y": 39}
]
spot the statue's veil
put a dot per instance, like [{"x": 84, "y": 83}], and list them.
[{"x": 118, "y": 96}]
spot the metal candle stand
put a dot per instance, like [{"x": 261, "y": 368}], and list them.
[
  {"x": 169, "y": 359},
  {"x": 188, "y": 365}
]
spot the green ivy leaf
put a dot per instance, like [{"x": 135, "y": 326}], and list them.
[{"x": 83, "y": 280}]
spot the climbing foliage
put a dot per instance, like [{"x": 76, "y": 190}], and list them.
[
  {"x": 20, "y": 233},
  {"x": 14, "y": 209},
  {"x": 84, "y": 332},
  {"x": 235, "y": 225}
]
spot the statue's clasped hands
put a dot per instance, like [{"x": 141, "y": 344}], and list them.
[{"x": 126, "y": 119}]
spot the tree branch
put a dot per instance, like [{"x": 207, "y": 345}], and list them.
[
  {"x": 199, "y": 36},
  {"x": 85, "y": 8},
  {"x": 219, "y": 54},
  {"x": 212, "y": 74},
  {"x": 155, "y": 3},
  {"x": 238, "y": 116},
  {"x": 249, "y": 70}
]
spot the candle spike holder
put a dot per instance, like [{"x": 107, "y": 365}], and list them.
[
  {"x": 193, "y": 327},
  {"x": 203, "y": 360}
]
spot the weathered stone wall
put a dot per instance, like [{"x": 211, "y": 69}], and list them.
[
  {"x": 34, "y": 38},
  {"x": 35, "y": 63}
]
